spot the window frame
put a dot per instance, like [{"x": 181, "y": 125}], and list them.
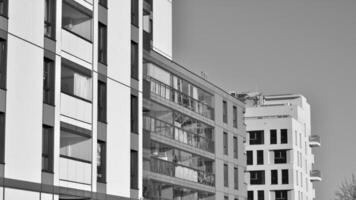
[
  {"x": 254, "y": 139},
  {"x": 257, "y": 177},
  {"x": 102, "y": 101},
  {"x": 226, "y": 175},
  {"x": 101, "y": 168},
  {"x": 249, "y": 157},
  {"x": 284, "y": 136},
  {"x": 50, "y": 21},
  {"x": 5, "y": 13},
  {"x": 3, "y": 63},
  {"x": 2, "y": 137},
  {"x": 236, "y": 147},
  {"x": 102, "y": 43},
  {"x": 225, "y": 115},
  {"x": 236, "y": 178},
  {"x": 49, "y": 85},
  {"x": 274, "y": 177},
  {"x": 134, "y": 60},
  {"x": 134, "y": 114},
  {"x": 235, "y": 117},
  {"x": 260, "y": 154},
  {"x": 285, "y": 176},
  {"x": 260, "y": 194},
  {"x": 49, "y": 130},
  {"x": 134, "y": 167},
  {"x": 279, "y": 157},
  {"x": 135, "y": 13},
  {"x": 273, "y": 136},
  {"x": 226, "y": 143}
]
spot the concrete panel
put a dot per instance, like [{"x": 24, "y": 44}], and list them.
[
  {"x": 75, "y": 171},
  {"x": 13, "y": 194},
  {"x": 162, "y": 27},
  {"x": 76, "y": 108},
  {"x": 77, "y": 46},
  {"x": 45, "y": 196},
  {"x": 2, "y": 100},
  {"x": 48, "y": 115}
]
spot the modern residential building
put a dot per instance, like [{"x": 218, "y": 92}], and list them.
[
  {"x": 279, "y": 147},
  {"x": 70, "y": 99},
  {"x": 193, "y": 131}
]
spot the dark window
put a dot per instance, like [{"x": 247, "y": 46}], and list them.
[
  {"x": 224, "y": 111},
  {"x": 134, "y": 60},
  {"x": 102, "y": 101},
  {"x": 281, "y": 195},
  {"x": 2, "y": 137},
  {"x": 250, "y": 195},
  {"x": 102, "y": 44},
  {"x": 260, "y": 157},
  {"x": 77, "y": 19},
  {"x": 236, "y": 178},
  {"x": 2, "y": 63},
  {"x": 236, "y": 148},
  {"x": 256, "y": 137},
  {"x": 284, "y": 136},
  {"x": 280, "y": 156},
  {"x": 48, "y": 81},
  {"x": 47, "y": 148},
  {"x": 134, "y": 169},
  {"x": 274, "y": 177},
  {"x": 134, "y": 12},
  {"x": 273, "y": 136},
  {"x": 285, "y": 176},
  {"x": 226, "y": 198},
  {"x": 234, "y": 108},
  {"x": 260, "y": 195},
  {"x": 249, "y": 158},
  {"x": 3, "y": 8},
  {"x": 103, "y": 3},
  {"x": 50, "y": 19},
  {"x": 134, "y": 114},
  {"x": 226, "y": 145},
  {"x": 101, "y": 161},
  {"x": 257, "y": 177},
  {"x": 226, "y": 175}
]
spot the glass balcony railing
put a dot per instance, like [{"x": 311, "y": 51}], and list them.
[
  {"x": 172, "y": 169},
  {"x": 169, "y": 93},
  {"x": 315, "y": 175},
  {"x": 314, "y": 141},
  {"x": 167, "y": 130}
]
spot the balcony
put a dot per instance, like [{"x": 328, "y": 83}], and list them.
[
  {"x": 167, "y": 92},
  {"x": 172, "y": 169},
  {"x": 314, "y": 141},
  {"x": 169, "y": 131},
  {"x": 315, "y": 175}
]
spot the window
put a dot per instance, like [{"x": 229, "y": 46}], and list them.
[
  {"x": 260, "y": 157},
  {"x": 273, "y": 136},
  {"x": 281, "y": 195},
  {"x": 75, "y": 143},
  {"x": 3, "y": 8},
  {"x": 256, "y": 137},
  {"x": 236, "y": 178},
  {"x": 102, "y": 44},
  {"x": 76, "y": 81},
  {"x": 234, "y": 108},
  {"x": 134, "y": 114},
  {"x": 280, "y": 156},
  {"x": 134, "y": 12},
  {"x": 257, "y": 177},
  {"x": 101, "y": 161},
  {"x": 274, "y": 177},
  {"x": 226, "y": 145},
  {"x": 47, "y": 148},
  {"x": 284, "y": 136},
  {"x": 102, "y": 101},
  {"x": 226, "y": 198},
  {"x": 224, "y": 111},
  {"x": 77, "y": 19},
  {"x": 50, "y": 19},
  {"x": 226, "y": 175},
  {"x": 249, "y": 195},
  {"x": 134, "y": 169},
  {"x": 3, "y": 63},
  {"x": 134, "y": 60},
  {"x": 48, "y": 81},
  {"x": 2, "y": 138},
  {"x": 103, "y": 3},
  {"x": 285, "y": 176},
  {"x": 260, "y": 195},
  {"x": 249, "y": 158},
  {"x": 236, "y": 148}
]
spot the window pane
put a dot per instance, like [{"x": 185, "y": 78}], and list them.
[
  {"x": 103, "y": 3},
  {"x": 274, "y": 177},
  {"x": 134, "y": 114},
  {"x": 285, "y": 176},
  {"x": 47, "y": 148},
  {"x": 75, "y": 145},
  {"x": 48, "y": 81},
  {"x": 134, "y": 60},
  {"x": 2, "y": 137},
  {"x": 226, "y": 175},
  {"x": 102, "y": 101},
  {"x": 256, "y": 137},
  {"x": 236, "y": 178},
  {"x": 225, "y": 143},
  {"x": 235, "y": 147},
  {"x": 235, "y": 117},
  {"x": 102, "y": 44},
  {"x": 49, "y": 18},
  {"x": 134, "y": 169},
  {"x": 101, "y": 161},
  {"x": 134, "y": 12},
  {"x": 273, "y": 136},
  {"x": 249, "y": 158},
  {"x": 2, "y": 63},
  {"x": 224, "y": 111},
  {"x": 3, "y": 7},
  {"x": 77, "y": 19},
  {"x": 284, "y": 136},
  {"x": 260, "y": 157}
]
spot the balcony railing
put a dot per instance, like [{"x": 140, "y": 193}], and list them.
[
  {"x": 314, "y": 141},
  {"x": 169, "y": 131},
  {"x": 315, "y": 175},
  {"x": 169, "y": 93},
  {"x": 172, "y": 169}
]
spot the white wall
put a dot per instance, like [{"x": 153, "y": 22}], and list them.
[{"x": 162, "y": 27}]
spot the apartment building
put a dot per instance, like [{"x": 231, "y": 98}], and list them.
[
  {"x": 279, "y": 147},
  {"x": 70, "y": 99},
  {"x": 193, "y": 131}
]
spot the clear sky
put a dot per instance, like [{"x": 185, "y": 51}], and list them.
[{"x": 282, "y": 46}]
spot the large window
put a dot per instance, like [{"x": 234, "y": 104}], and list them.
[
  {"x": 284, "y": 136},
  {"x": 47, "y": 148},
  {"x": 236, "y": 178},
  {"x": 76, "y": 81},
  {"x": 3, "y": 8},
  {"x": 134, "y": 169},
  {"x": 50, "y": 19},
  {"x": 224, "y": 111},
  {"x": 225, "y": 145},
  {"x": 273, "y": 136},
  {"x": 2, "y": 138},
  {"x": 280, "y": 156},
  {"x": 257, "y": 177},
  {"x": 75, "y": 143},
  {"x": 134, "y": 12},
  {"x": 285, "y": 176},
  {"x": 236, "y": 147},
  {"x": 134, "y": 60},
  {"x": 249, "y": 195},
  {"x": 274, "y": 177},
  {"x": 48, "y": 81},
  {"x": 281, "y": 195},
  {"x": 226, "y": 175},
  {"x": 259, "y": 157},
  {"x": 234, "y": 112},
  {"x": 249, "y": 157},
  {"x": 101, "y": 161},
  {"x": 260, "y": 195},
  {"x": 256, "y": 137},
  {"x": 77, "y": 19},
  {"x": 134, "y": 114},
  {"x": 102, "y": 101},
  {"x": 2, "y": 63},
  {"x": 102, "y": 44}
]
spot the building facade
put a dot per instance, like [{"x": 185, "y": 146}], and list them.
[
  {"x": 70, "y": 99},
  {"x": 279, "y": 148}
]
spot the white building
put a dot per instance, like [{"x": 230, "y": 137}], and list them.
[{"x": 279, "y": 148}]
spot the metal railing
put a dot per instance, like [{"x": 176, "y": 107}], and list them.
[
  {"x": 314, "y": 138},
  {"x": 169, "y": 131},
  {"x": 169, "y": 93}
]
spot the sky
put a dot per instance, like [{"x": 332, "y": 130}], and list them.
[{"x": 282, "y": 46}]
